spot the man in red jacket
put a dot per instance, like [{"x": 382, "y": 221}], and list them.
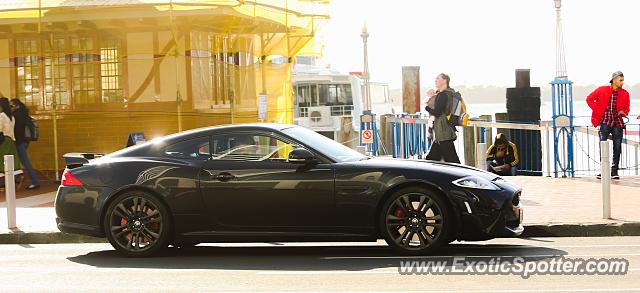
[{"x": 609, "y": 104}]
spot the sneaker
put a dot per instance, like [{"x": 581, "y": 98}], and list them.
[
  {"x": 615, "y": 176},
  {"x": 31, "y": 187},
  {"x": 599, "y": 176}
]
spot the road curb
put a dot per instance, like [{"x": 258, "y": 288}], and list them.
[
  {"x": 46, "y": 238},
  {"x": 552, "y": 230},
  {"x": 583, "y": 230}
]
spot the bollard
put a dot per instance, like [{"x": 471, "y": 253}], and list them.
[
  {"x": 481, "y": 150},
  {"x": 10, "y": 191},
  {"x": 547, "y": 151},
  {"x": 403, "y": 153},
  {"x": 605, "y": 173},
  {"x": 637, "y": 157}
]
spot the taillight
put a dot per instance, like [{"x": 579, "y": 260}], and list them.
[{"x": 69, "y": 180}]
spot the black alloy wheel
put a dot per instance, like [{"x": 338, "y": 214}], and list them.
[
  {"x": 415, "y": 221},
  {"x": 137, "y": 224}
]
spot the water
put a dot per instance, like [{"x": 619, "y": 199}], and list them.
[{"x": 581, "y": 111}]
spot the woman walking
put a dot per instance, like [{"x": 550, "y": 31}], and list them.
[
  {"x": 7, "y": 138},
  {"x": 21, "y": 114}
]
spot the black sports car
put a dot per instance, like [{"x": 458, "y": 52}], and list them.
[{"x": 274, "y": 182}]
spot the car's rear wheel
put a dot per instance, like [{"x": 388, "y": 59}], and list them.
[
  {"x": 137, "y": 224},
  {"x": 415, "y": 221}
]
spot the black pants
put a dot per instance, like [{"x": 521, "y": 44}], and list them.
[
  {"x": 617, "y": 134},
  {"x": 443, "y": 150}
]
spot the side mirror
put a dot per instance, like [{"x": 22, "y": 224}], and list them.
[{"x": 301, "y": 155}]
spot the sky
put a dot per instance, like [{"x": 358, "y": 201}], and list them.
[{"x": 483, "y": 42}]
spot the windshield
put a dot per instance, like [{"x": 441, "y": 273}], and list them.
[{"x": 327, "y": 146}]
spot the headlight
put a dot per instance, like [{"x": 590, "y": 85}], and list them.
[{"x": 475, "y": 182}]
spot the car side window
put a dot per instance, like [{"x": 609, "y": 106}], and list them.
[
  {"x": 250, "y": 147},
  {"x": 197, "y": 148}
]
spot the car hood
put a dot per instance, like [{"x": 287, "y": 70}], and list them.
[{"x": 453, "y": 170}]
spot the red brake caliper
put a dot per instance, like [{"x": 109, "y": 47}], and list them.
[{"x": 399, "y": 213}]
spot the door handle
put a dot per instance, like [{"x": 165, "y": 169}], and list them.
[{"x": 223, "y": 177}]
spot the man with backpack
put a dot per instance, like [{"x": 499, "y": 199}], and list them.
[{"x": 443, "y": 132}]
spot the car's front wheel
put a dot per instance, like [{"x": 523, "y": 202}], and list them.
[
  {"x": 137, "y": 224},
  {"x": 415, "y": 221}
]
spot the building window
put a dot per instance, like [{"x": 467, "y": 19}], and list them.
[
  {"x": 111, "y": 70},
  {"x": 82, "y": 67},
  {"x": 55, "y": 74},
  {"x": 224, "y": 67},
  {"x": 28, "y": 73},
  {"x": 73, "y": 69}
]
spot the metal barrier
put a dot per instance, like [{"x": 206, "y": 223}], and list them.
[
  {"x": 587, "y": 150},
  {"x": 535, "y": 142},
  {"x": 409, "y": 136}
]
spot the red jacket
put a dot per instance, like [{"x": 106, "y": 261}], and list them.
[{"x": 599, "y": 99}]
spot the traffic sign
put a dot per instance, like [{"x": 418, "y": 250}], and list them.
[{"x": 367, "y": 136}]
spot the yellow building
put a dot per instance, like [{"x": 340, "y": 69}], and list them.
[{"x": 93, "y": 71}]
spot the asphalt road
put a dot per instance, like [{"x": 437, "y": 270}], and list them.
[{"x": 276, "y": 267}]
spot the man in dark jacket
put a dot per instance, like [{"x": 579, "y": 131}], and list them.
[
  {"x": 609, "y": 104},
  {"x": 21, "y": 114},
  {"x": 502, "y": 157},
  {"x": 443, "y": 134}
]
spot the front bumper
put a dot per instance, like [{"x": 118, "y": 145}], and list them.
[{"x": 487, "y": 214}]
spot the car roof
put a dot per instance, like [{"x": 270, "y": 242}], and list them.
[
  {"x": 229, "y": 127},
  {"x": 145, "y": 147}
]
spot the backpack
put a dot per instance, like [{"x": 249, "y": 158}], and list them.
[
  {"x": 458, "y": 110},
  {"x": 31, "y": 131}
]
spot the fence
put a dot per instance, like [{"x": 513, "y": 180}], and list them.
[{"x": 409, "y": 139}]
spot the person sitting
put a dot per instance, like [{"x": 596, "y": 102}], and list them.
[{"x": 502, "y": 157}]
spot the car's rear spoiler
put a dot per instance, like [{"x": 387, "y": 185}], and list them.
[{"x": 74, "y": 160}]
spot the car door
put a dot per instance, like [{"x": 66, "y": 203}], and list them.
[{"x": 248, "y": 185}]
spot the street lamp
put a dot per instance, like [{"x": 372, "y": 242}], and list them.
[
  {"x": 561, "y": 68},
  {"x": 365, "y": 74}
]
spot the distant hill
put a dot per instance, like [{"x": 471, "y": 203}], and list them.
[{"x": 478, "y": 94}]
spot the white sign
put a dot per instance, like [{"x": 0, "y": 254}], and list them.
[
  {"x": 367, "y": 136},
  {"x": 262, "y": 107}
]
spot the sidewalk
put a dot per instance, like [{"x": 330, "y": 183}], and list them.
[{"x": 568, "y": 207}]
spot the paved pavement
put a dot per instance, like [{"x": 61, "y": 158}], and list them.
[
  {"x": 336, "y": 267},
  {"x": 546, "y": 201},
  {"x": 577, "y": 200}
]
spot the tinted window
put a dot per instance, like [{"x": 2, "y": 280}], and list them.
[
  {"x": 197, "y": 148},
  {"x": 327, "y": 146},
  {"x": 250, "y": 147}
]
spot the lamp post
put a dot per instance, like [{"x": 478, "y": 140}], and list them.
[
  {"x": 561, "y": 68},
  {"x": 562, "y": 104},
  {"x": 368, "y": 131},
  {"x": 365, "y": 75}
]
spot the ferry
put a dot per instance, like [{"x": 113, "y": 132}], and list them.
[{"x": 323, "y": 96}]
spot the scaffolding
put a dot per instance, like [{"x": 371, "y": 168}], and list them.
[{"x": 93, "y": 71}]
